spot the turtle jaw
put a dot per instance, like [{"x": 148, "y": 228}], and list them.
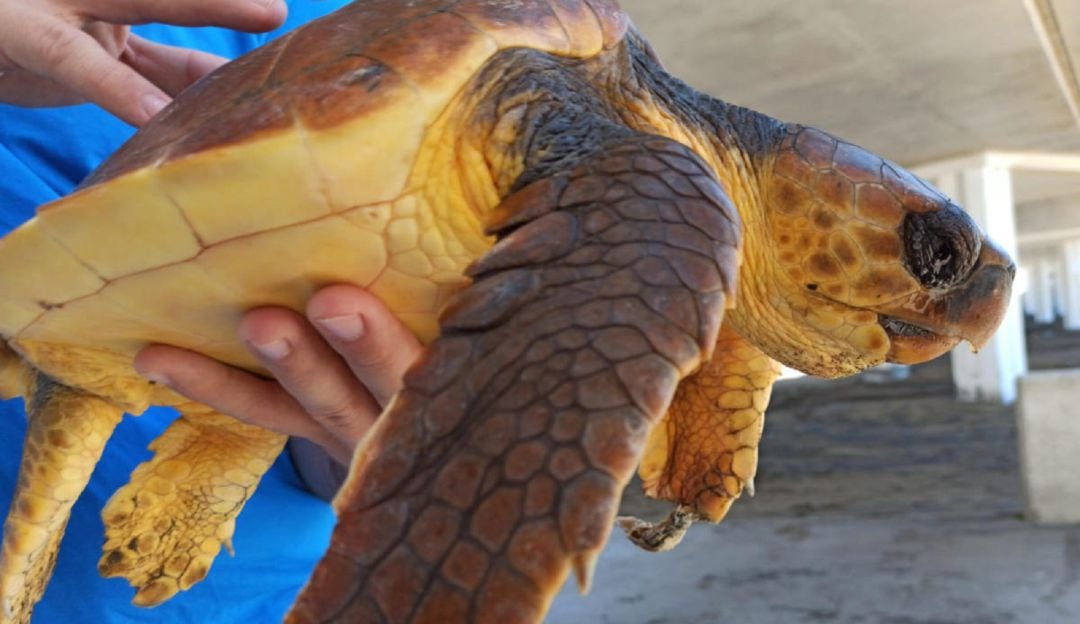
[
  {"x": 912, "y": 344},
  {"x": 930, "y": 324}
]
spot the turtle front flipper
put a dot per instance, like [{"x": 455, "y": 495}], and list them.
[
  {"x": 66, "y": 434},
  {"x": 499, "y": 466},
  {"x": 164, "y": 528},
  {"x": 704, "y": 454}
]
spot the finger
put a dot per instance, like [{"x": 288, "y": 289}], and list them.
[
  {"x": 310, "y": 371},
  {"x": 378, "y": 348},
  {"x": 235, "y": 392},
  {"x": 112, "y": 37},
  {"x": 77, "y": 61},
  {"x": 171, "y": 68},
  {"x": 246, "y": 15}
]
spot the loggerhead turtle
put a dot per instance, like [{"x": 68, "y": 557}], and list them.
[{"x": 605, "y": 264}]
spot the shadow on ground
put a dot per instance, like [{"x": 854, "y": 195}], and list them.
[{"x": 877, "y": 503}]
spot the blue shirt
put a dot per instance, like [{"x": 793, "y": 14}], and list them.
[{"x": 282, "y": 531}]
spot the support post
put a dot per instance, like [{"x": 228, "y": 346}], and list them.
[
  {"x": 984, "y": 188},
  {"x": 1071, "y": 282},
  {"x": 1042, "y": 290},
  {"x": 1049, "y": 427},
  {"x": 1057, "y": 285}
]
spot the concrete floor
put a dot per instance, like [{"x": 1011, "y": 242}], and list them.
[{"x": 877, "y": 503}]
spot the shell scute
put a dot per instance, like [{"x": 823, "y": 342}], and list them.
[
  {"x": 528, "y": 24},
  {"x": 438, "y": 53}
]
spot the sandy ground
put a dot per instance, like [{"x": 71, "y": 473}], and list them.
[{"x": 882, "y": 502}]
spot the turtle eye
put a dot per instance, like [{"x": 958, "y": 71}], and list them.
[{"x": 941, "y": 247}]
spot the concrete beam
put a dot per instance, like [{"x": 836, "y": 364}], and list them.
[
  {"x": 1042, "y": 238},
  {"x": 1051, "y": 162},
  {"x": 1052, "y": 39}
]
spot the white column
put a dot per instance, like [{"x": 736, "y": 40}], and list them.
[
  {"x": 1048, "y": 419},
  {"x": 1057, "y": 285},
  {"x": 1041, "y": 288},
  {"x": 1071, "y": 284},
  {"x": 1027, "y": 267},
  {"x": 984, "y": 189},
  {"x": 1029, "y": 298}
]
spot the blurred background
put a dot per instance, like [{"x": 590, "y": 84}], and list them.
[{"x": 948, "y": 493}]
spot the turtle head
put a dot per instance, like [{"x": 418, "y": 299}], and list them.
[{"x": 867, "y": 262}]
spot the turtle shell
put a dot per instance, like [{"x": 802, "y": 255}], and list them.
[{"x": 329, "y": 155}]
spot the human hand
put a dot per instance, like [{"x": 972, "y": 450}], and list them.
[
  {"x": 61, "y": 52},
  {"x": 334, "y": 371}
]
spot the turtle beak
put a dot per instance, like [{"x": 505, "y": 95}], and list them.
[
  {"x": 971, "y": 311},
  {"x": 982, "y": 302}
]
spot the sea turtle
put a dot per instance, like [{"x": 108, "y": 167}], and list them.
[{"x": 605, "y": 264}]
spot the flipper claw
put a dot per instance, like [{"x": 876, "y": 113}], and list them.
[
  {"x": 661, "y": 536},
  {"x": 584, "y": 565}
]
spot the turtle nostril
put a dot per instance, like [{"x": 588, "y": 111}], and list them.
[{"x": 1012, "y": 270}]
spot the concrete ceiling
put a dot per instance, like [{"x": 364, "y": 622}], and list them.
[{"x": 915, "y": 80}]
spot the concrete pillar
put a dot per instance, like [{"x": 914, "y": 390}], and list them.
[
  {"x": 984, "y": 189},
  {"x": 1071, "y": 282},
  {"x": 1041, "y": 288},
  {"x": 1026, "y": 265},
  {"x": 1028, "y": 297},
  {"x": 1057, "y": 285},
  {"x": 1049, "y": 432}
]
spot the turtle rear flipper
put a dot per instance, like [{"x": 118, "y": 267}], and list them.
[
  {"x": 704, "y": 453},
  {"x": 66, "y": 434},
  {"x": 499, "y": 466},
  {"x": 165, "y": 527}
]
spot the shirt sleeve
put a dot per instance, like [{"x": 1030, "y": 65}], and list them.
[{"x": 321, "y": 474}]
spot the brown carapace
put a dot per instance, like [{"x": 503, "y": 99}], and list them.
[{"x": 606, "y": 266}]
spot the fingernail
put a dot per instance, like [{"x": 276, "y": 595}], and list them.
[
  {"x": 265, "y": 3},
  {"x": 152, "y": 104},
  {"x": 273, "y": 350},
  {"x": 345, "y": 328},
  {"x": 158, "y": 378}
]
